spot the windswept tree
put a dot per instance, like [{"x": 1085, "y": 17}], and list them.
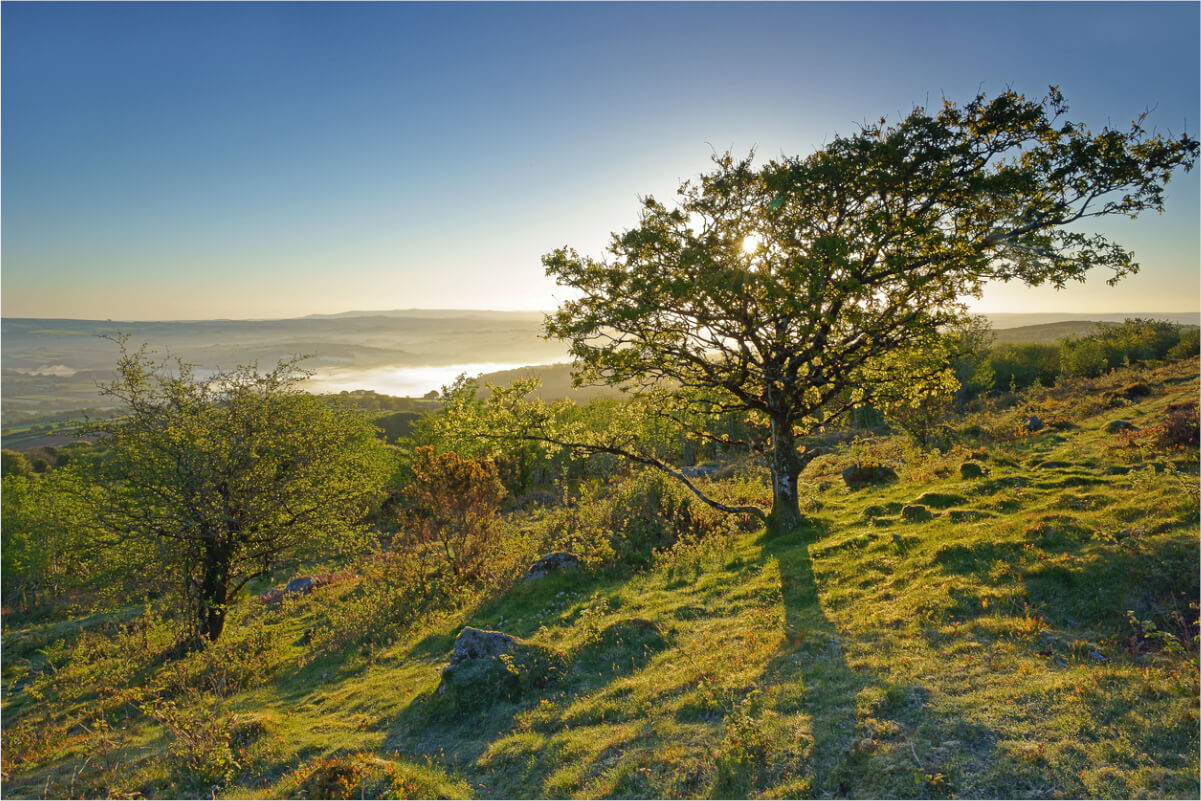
[
  {"x": 785, "y": 294},
  {"x": 213, "y": 480}
]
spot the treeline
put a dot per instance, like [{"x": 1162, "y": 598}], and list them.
[{"x": 1017, "y": 366}]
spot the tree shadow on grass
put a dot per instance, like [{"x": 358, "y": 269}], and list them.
[{"x": 867, "y": 736}]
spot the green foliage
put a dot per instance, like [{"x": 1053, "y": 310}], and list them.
[
  {"x": 919, "y": 405},
  {"x": 14, "y": 464},
  {"x": 1018, "y": 366},
  {"x": 47, "y": 550},
  {"x": 1188, "y": 346},
  {"x": 627, "y": 522},
  {"x": 218, "y": 478}
]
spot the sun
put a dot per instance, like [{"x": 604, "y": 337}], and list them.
[{"x": 751, "y": 242}]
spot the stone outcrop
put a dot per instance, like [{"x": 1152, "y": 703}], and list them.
[
  {"x": 486, "y": 666},
  {"x": 551, "y": 563}
]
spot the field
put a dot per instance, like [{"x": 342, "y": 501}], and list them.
[{"x": 1030, "y": 633}]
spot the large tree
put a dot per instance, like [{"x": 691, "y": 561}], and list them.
[
  {"x": 212, "y": 480},
  {"x": 785, "y": 293}
]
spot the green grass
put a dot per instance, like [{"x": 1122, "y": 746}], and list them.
[{"x": 984, "y": 651}]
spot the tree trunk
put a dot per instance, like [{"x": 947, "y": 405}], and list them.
[
  {"x": 785, "y": 467},
  {"x": 214, "y": 590}
]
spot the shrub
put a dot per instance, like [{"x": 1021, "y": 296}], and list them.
[
  {"x": 450, "y": 509},
  {"x": 1084, "y": 357},
  {"x": 362, "y": 775},
  {"x": 1022, "y": 365},
  {"x": 1188, "y": 347}
]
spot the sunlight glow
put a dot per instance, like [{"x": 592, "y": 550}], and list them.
[{"x": 751, "y": 242}]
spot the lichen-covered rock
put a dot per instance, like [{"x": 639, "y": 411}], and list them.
[
  {"x": 303, "y": 584},
  {"x": 857, "y": 475},
  {"x": 1032, "y": 423},
  {"x": 486, "y": 666},
  {"x": 551, "y": 563},
  {"x": 971, "y": 470}
]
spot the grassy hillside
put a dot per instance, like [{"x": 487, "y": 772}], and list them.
[{"x": 1031, "y": 632}]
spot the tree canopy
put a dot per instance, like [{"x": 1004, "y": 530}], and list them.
[
  {"x": 789, "y": 294},
  {"x": 215, "y": 479}
]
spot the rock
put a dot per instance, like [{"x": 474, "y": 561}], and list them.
[
  {"x": 875, "y": 511},
  {"x": 302, "y": 584},
  {"x": 1050, "y": 465},
  {"x": 1032, "y": 423},
  {"x": 551, "y": 563},
  {"x": 487, "y": 665},
  {"x": 699, "y": 470},
  {"x": 1117, "y": 426},
  {"x": 971, "y": 470},
  {"x": 271, "y": 596},
  {"x": 916, "y": 512},
  {"x": 475, "y": 643},
  {"x": 857, "y": 476}
]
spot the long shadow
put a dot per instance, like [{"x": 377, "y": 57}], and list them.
[
  {"x": 810, "y": 669},
  {"x": 861, "y": 724}
]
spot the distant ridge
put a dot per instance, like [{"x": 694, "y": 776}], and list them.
[
  {"x": 1019, "y": 319},
  {"x": 479, "y": 314}
]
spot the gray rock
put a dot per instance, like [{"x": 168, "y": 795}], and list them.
[
  {"x": 489, "y": 665},
  {"x": 971, "y": 470},
  {"x": 916, "y": 512},
  {"x": 857, "y": 476},
  {"x": 699, "y": 470},
  {"x": 551, "y": 563},
  {"x": 303, "y": 584},
  {"x": 1032, "y": 423},
  {"x": 1118, "y": 426},
  {"x": 475, "y": 643}
]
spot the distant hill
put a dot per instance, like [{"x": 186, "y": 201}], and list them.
[
  {"x": 477, "y": 314},
  {"x": 1020, "y": 320},
  {"x": 556, "y": 383},
  {"x": 1047, "y": 332}
]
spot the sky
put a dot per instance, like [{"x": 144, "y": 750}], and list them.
[{"x": 243, "y": 160}]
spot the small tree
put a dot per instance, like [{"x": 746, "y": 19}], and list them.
[
  {"x": 218, "y": 478},
  {"x": 769, "y": 293},
  {"x": 450, "y": 505}
]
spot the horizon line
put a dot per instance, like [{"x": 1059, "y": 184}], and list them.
[{"x": 428, "y": 310}]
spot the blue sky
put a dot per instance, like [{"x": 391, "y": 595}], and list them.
[{"x": 195, "y": 160}]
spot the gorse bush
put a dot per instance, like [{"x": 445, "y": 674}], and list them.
[{"x": 450, "y": 508}]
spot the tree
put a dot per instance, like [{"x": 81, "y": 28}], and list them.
[
  {"x": 769, "y": 293},
  {"x": 218, "y": 478}
]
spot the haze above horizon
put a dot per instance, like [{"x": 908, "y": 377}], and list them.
[{"x": 273, "y": 160}]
